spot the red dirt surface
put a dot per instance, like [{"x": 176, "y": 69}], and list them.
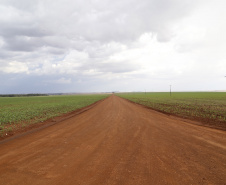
[{"x": 116, "y": 143}]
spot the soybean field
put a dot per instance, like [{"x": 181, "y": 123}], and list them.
[
  {"x": 207, "y": 107},
  {"x": 17, "y": 112}
]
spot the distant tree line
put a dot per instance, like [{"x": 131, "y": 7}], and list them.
[{"x": 21, "y": 95}]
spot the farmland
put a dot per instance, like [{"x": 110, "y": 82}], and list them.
[
  {"x": 115, "y": 142},
  {"x": 207, "y": 107},
  {"x": 17, "y": 112}
]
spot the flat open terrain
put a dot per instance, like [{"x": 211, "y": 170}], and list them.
[
  {"x": 208, "y": 108},
  {"x": 19, "y": 113},
  {"x": 116, "y": 142}
]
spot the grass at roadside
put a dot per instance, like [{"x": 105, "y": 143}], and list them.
[
  {"x": 208, "y": 107},
  {"x": 22, "y": 111}
]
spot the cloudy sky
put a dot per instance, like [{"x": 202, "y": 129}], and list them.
[{"x": 103, "y": 45}]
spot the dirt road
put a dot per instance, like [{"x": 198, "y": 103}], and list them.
[{"x": 116, "y": 143}]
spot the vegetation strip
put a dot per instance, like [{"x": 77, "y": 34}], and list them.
[
  {"x": 17, "y": 112},
  {"x": 207, "y": 107}
]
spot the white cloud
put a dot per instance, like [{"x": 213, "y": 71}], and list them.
[
  {"x": 14, "y": 67},
  {"x": 153, "y": 41},
  {"x": 61, "y": 81}
]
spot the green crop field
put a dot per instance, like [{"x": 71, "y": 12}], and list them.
[
  {"x": 22, "y": 111},
  {"x": 207, "y": 107}
]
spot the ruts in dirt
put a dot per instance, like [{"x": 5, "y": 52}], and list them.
[{"x": 116, "y": 143}]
